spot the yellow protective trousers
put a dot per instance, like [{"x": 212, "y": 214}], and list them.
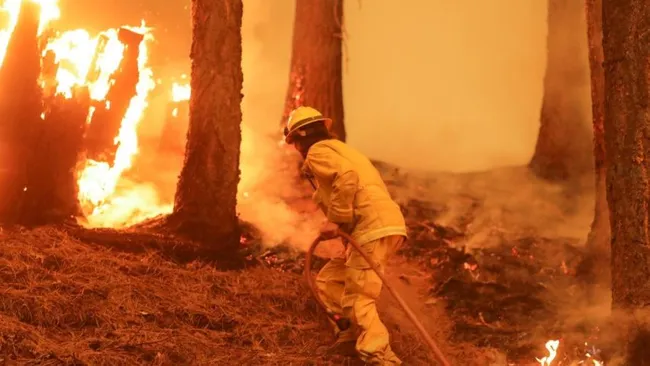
[{"x": 351, "y": 287}]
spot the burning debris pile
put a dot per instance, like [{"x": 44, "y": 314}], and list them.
[
  {"x": 79, "y": 98},
  {"x": 504, "y": 296}
]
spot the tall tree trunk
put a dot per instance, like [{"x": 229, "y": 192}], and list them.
[
  {"x": 563, "y": 150},
  {"x": 626, "y": 45},
  {"x": 20, "y": 109},
  {"x": 40, "y": 139},
  {"x": 316, "y": 73},
  {"x": 598, "y": 242},
  {"x": 205, "y": 205}
]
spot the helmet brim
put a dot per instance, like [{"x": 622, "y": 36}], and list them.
[{"x": 291, "y": 134}]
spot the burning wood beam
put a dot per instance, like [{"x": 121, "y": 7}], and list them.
[{"x": 106, "y": 121}]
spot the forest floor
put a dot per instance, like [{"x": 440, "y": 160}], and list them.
[{"x": 489, "y": 267}]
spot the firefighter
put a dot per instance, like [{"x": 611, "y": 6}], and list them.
[{"x": 354, "y": 198}]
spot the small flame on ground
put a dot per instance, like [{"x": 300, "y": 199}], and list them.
[{"x": 551, "y": 347}]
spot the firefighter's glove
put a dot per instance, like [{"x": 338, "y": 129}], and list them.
[{"x": 329, "y": 231}]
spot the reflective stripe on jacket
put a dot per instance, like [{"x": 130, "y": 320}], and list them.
[{"x": 351, "y": 193}]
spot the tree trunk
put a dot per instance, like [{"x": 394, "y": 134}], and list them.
[
  {"x": 563, "y": 150},
  {"x": 52, "y": 195},
  {"x": 20, "y": 109},
  {"x": 626, "y": 45},
  {"x": 205, "y": 205},
  {"x": 598, "y": 242},
  {"x": 316, "y": 73}
]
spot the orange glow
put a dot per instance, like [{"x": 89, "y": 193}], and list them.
[{"x": 180, "y": 92}]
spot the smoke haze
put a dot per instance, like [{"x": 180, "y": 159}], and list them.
[
  {"x": 466, "y": 76},
  {"x": 428, "y": 85}
]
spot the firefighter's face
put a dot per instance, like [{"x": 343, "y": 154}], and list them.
[{"x": 301, "y": 147}]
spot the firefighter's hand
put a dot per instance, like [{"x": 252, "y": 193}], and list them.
[{"x": 329, "y": 231}]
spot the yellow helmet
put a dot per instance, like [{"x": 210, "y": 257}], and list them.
[{"x": 301, "y": 117}]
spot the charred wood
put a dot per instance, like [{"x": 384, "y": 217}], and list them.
[
  {"x": 93, "y": 73},
  {"x": 53, "y": 192}
]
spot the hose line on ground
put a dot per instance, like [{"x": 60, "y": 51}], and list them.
[{"x": 344, "y": 323}]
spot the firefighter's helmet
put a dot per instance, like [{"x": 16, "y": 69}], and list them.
[{"x": 301, "y": 117}]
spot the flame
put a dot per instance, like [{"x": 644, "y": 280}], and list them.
[
  {"x": 551, "y": 347},
  {"x": 74, "y": 52},
  {"x": 49, "y": 11},
  {"x": 180, "y": 92},
  {"x": 98, "y": 180},
  {"x": 89, "y": 61}
]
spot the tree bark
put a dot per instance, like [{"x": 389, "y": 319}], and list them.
[
  {"x": 20, "y": 109},
  {"x": 41, "y": 139},
  {"x": 563, "y": 150},
  {"x": 626, "y": 45},
  {"x": 205, "y": 205},
  {"x": 598, "y": 243},
  {"x": 316, "y": 73},
  {"x": 52, "y": 195}
]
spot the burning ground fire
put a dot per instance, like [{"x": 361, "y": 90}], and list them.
[
  {"x": 89, "y": 62},
  {"x": 552, "y": 347}
]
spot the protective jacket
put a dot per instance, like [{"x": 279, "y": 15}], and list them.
[{"x": 351, "y": 193}]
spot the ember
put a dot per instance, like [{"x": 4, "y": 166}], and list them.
[{"x": 551, "y": 347}]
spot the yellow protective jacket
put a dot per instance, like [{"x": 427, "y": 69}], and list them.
[{"x": 351, "y": 193}]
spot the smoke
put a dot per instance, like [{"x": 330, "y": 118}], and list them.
[
  {"x": 267, "y": 168},
  {"x": 491, "y": 205},
  {"x": 267, "y": 183},
  {"x": 430, "y": 85},
  {"x": 459, "y": 90}
]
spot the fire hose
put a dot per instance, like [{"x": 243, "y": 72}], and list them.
[{"x": 343, "y": 323}]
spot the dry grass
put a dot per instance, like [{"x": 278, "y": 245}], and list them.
[{"x": 66, "y": 302}]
